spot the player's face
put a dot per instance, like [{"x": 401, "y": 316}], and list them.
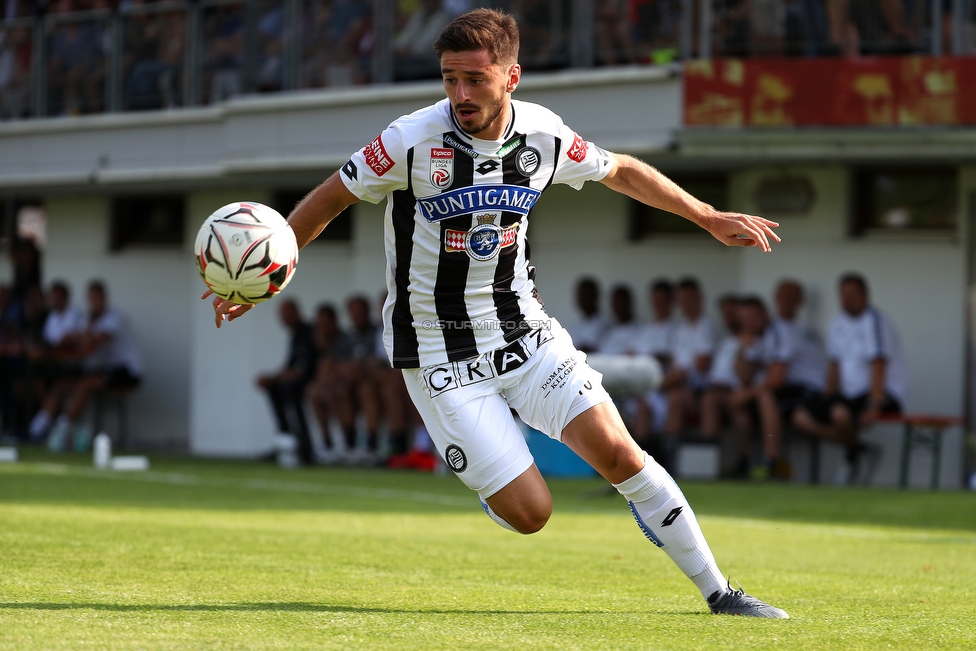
[{"x": 479, "y": 91}]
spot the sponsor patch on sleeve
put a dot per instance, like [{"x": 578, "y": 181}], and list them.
[
  {"x": 578, "y": 149},
  {"x": 377, "y": 158}
]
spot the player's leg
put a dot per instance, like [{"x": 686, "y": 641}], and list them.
[
  {"x": 658, "y": 505},
  {"x": 475, "y": 433}
]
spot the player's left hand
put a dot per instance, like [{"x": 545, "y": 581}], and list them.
[
  {"x": 737, "y": 229},
  {"x": 224, "y": 309}
]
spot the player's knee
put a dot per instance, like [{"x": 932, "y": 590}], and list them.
[{"x": 532, "y": 519}]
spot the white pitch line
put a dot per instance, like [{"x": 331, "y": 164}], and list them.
[{"x": 271, "y": 485}]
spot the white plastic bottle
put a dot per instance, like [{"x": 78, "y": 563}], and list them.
[{"x": 102, "y": 450}]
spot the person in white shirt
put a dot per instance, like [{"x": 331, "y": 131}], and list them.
[
  {"x": 727, "y": 396},
  {"x": 866, "y": 373},
  {"x": 64, "y": 323},
  {"x": 588, "y": 332},
  {"x": 656, "y": 338},
  {"x": 110, "y": 358},
  {"x": 795, "y": 368},
  {"x": 622, "y": 338},
  {"x": 691, "y": 359}
]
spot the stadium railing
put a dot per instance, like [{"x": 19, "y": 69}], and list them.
[{"x": 164, "y": 55}]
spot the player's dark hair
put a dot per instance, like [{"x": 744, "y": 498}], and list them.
[
  {"x": 481, "y": 29},
  {"x": 856, "y": 278}
]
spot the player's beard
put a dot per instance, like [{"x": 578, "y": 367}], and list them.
[{"x": 491, "y": 113}]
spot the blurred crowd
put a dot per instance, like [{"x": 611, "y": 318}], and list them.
[
  {"x": 56, "y": 357},
  {"x": 755, "y": 374},
  {"x": 244, "y": 47},
  {"x": 363, "y": 415}
]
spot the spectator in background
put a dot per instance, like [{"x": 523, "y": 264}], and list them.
[
  {"x": 332, "y": 41},
  {"x": 588, "y": 332},
  {"x": 15, "y": 64},
  {"x": 612, "y": 33},
  {"x": 111, "y": 359},
  {"x": 691, "y": 359},
  {"x": 76, "y": 65},
  {"x": 623, "y": 337},
  {"x": 725, "y": 398},
  {"x": 869, "y": 27},
  {"x": 656, "y": 339},
  {"x": 414, "y": 57},
  {"x": 655, "y": 24},
  {"x": 344, "y": 387},
  {"x": 795, "y": 368},
  {"x": 866, "y": 373},
  {"x": 332, "y": 347},
  {"x": 286, "y": 386},
  {"x": 224, "y": 37}
]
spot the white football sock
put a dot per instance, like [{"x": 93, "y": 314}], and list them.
[
  {"x": 499, "y": 520},
  {"x": 663, "y": 514}
]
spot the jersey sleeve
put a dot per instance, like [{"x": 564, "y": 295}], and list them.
[
  {"x": 578, "y": 160},
  {"x": 377, "y": 169}
]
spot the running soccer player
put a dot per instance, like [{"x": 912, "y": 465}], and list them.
[{"x": 463, "y": 318}]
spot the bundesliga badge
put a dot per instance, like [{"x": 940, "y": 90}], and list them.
[{"x": 441, "y": 167}]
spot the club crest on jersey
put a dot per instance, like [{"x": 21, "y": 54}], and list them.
[
  {"x": 441, "y": 166},
  {"x": 527, "y": 161},
  {"x": 484, "y": 241}
]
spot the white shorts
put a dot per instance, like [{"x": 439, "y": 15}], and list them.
[{"x": 467, "y": 405}]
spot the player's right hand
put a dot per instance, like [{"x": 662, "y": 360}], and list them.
[{"x": 224, "y": 309}]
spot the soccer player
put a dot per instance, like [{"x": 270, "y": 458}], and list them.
[{"x": 463, "y": 317}]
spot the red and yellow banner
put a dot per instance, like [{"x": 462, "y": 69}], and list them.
[{"x": 877, "y": 91}]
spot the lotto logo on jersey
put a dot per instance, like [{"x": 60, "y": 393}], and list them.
[
  {"x": 441, "y": 166},
  {"x": 377, "y": 158},
  {"x": 578, "y": 149}
]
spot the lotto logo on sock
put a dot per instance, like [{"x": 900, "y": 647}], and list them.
[{"x": 672, "y": 516}]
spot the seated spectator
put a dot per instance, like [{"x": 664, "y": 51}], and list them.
[
  {"x": 726, "y": 396},
  {"x": 224, "y": 38},
  {"x": 414, "y": 56},
  {"x": 588, "y": 332},
  {"x": 65, "y": 323},
  {"x": 286, "y": 386},
  {"x": 623, "y": 337},
  {"x": 612, "y": 33},
  {"x": 795, "y": 368},
  {"x": 869, "y": 27},
  {"x": 691, "y": 359},
  {"x": 110, "y": 359},
  {"x": 344, "y": 385},
  {"x": 331, "y": 347},
  {"x": 656, "y": 339},
  {"x": 866, "y": 373}
]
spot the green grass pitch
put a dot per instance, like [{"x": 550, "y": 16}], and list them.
[{"x": 231, "y": 555}]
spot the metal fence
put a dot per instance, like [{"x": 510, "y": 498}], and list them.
[{"x": 144, "y": 54}]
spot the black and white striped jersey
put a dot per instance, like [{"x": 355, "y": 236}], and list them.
[{"x": 458, "y": 273}]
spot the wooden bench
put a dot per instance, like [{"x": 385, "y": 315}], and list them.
[{"x": 920, "y": 431}]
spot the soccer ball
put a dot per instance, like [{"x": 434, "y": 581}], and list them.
[{"x": 246, "y": 252}]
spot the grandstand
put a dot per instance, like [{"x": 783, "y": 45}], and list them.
[{"x": 850, "y": 122}]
